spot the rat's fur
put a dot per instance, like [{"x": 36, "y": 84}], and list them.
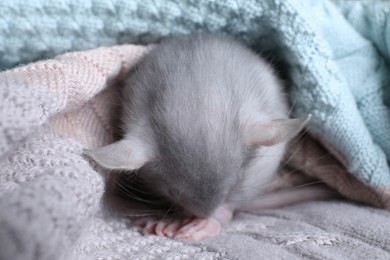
[{"x": 202, "y": 117}]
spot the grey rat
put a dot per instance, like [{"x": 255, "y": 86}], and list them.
[{"x": 206, "y": 125}]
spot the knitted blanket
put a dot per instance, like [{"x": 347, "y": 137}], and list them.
[{"x": 50, "y": 195}]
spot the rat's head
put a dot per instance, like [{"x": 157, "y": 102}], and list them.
[
  {"x": 196, "y": 174},
  {"x": 193, "y": 175}
]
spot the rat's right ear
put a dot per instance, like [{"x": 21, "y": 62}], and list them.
[
  {"x": 276, "y": 131},
  {"x": 122, "y": 155}
]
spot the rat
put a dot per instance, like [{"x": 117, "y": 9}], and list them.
[{"x": 206, "y": 124}]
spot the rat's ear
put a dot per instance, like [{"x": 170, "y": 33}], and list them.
[
  {"x": 276, "y": 131},
  {"x": 122, "y": 155}
]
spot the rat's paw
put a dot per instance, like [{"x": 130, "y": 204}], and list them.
[
  {"x": 166, "y": 228},
  {"x": 190, "y": 229},
  {"x": 198, "y": 229}
]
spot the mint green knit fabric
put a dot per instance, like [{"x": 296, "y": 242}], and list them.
[{"x": 338, "y": 54}]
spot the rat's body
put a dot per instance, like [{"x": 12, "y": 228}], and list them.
[{"x": 206, "y": 124}]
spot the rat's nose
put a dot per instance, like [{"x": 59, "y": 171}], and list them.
[{"x": 201, "y": 208}]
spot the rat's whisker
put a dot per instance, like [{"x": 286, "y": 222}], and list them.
[
  {"x": 285, "y": 189},
  {"x": 138, "y": 214},
  {"x": 289, "y": 159},
  {"x": 168, "y": 210},
  {"x": 275, "y": 181},
  {"x": 141, "y": 215},
  {"x": 128, "y": 193},
  {"x": 292, "y": 107}
]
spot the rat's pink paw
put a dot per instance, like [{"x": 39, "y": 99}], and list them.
[
  {"x": 166, "y": 228},
  {"x": 190, "y": 229},
  {"x": 198, "y": 229}
]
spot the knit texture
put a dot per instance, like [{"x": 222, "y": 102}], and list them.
[
  {"x": 337, "y": 74},
  {"x": 50, "y": 110}
]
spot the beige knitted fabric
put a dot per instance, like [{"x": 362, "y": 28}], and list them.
[
  {"x": 84, "y": 82},
  {"x": 50, "y": 195},
  {"x": 50, "y": 111}
]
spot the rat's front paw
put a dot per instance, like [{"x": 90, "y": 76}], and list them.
[
  {"x": 190, "y": 228},
  {"x": 163, "y": 227},
  {"x": 198, "y": 229}
]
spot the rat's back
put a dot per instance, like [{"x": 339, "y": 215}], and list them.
[{"x": 204, "y": 87}]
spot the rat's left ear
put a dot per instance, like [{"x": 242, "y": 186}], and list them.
[
  {"x": 276, "y": 131},
  {"x": 122, "y": 155}
]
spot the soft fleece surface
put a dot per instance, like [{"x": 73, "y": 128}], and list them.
[{"x": 50, "y": 195}]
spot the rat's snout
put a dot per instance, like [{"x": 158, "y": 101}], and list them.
[
  {"x": 201, "y": 206},
  {"x": 197, "y": 211}
]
